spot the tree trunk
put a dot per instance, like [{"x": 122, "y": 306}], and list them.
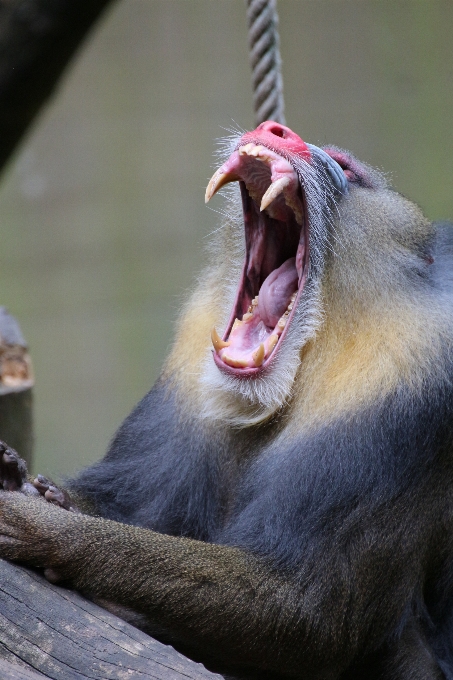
[
  {"x": 16, "y": 382},
  {"x": 48, "y": 631},
  {"x": 37, "y": 40}
]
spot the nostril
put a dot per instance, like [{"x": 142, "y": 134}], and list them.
[
  {"x": 274, "y": 128},
  {"x": 278, "y": 131}
]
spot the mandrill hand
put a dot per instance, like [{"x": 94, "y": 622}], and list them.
[
  {"x": 13, "y": 471},
  {"x": 38, "y": 534},
  {"x": 14, "y": 477}
]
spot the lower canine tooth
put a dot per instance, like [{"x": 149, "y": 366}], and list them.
[
  {"x": 258, "y": 355},
  {"x": 217, "y": 341}
]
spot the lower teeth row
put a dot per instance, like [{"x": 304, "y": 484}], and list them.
[{"x": 259, "y": 354}]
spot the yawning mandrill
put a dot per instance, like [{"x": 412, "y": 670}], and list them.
[{"x": 280, "y": 504}]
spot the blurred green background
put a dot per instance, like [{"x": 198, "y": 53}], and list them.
[{"x": 102, "y": 218}]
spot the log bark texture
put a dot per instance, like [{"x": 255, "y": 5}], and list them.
[
  {"x": 48, "y": 631},
  {"x": 37, "y": 40},
  {"x": 10, "y": 671}
]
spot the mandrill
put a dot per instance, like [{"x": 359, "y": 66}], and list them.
[{"x": 280, "y": 505}]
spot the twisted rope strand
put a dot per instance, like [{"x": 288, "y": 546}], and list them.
[{"x": 264, "y": 46}]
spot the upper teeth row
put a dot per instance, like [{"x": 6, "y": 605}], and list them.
[
  {"x": 224, "y": 175},
  {"x": 257, "y": 151}
]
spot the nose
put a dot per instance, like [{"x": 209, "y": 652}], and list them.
[
  {"x": 278, "y": 137},
  {"x": 279, "y": 130}
]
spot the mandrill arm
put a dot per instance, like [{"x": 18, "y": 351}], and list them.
[{"x": 218, "y": 601}]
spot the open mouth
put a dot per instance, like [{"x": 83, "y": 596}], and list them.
[{"x": 276, "y": 240}]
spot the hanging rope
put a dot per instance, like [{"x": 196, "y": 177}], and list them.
[{"x": 265, "y": 61}]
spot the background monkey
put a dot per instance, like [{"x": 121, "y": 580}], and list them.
[{"x": 281, "y": 505}]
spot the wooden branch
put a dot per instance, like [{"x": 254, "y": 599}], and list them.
[
  {"x": 52, "y": 632},
  {"x": 11, "y": 671},
  {"x": 37, "y": 40},
  {"x": 16, "y": 382}
]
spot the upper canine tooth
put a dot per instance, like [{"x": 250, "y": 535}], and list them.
[
  {"x": 217, "y": 341},
  {"x": 217, "y": 181},
  {"x": 273, "y": 191}
]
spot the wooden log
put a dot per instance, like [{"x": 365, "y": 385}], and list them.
[
  {"x": 55, "y": 633},
  {"x": 11, "y": 671},
  {"x": 16, "y": 382}
]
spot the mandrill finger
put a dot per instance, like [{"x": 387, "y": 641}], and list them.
[
  {"x": 53, "y": 494},
  {"x": 41, "y": 484}
]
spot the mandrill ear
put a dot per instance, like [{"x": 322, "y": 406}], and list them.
[{"x": 331, "y": 166}]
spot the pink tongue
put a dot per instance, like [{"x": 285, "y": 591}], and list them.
[{"x": 276, "y": 291}]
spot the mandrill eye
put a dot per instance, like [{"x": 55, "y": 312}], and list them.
[{"x": 354, "y": 171}]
